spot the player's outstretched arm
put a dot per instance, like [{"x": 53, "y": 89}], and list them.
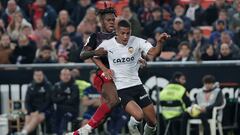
[
  {"x": 89, "y": 53},
  {"x": 156, "y": 51}
]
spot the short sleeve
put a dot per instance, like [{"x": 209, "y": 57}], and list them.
[
  {"x": 144, "y": 45},
  {"x": 103, "y": 45},
  {"x": 92, "y": 41}
]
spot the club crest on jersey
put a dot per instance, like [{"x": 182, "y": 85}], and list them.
[{"x": 130, "y": 50}]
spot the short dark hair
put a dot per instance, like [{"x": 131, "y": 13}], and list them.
[
  {"x": 106, "y": 10},
  {"x": 176, "y": 75},
  {"x": 124, "y": 23},
  {"x": 184, "y": 43},
  {"x": 46, "y": 47},
  {"x": 208, "y": 79},
  {"x": 37, "y": 70}
]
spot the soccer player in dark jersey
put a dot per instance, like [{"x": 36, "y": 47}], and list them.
[{"x": 104, "y": 86}]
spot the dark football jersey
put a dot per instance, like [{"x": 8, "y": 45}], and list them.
[{"x": 96, "y": 39}]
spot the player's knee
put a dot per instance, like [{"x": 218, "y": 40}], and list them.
[
  {"x": 139, "y": 116},
  {"x": 152, "y": 122}
]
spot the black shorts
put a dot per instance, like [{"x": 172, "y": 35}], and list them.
[{"x": 135, "y": 93}]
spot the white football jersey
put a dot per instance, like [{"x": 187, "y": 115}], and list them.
[{"x": 123, "y": 60}]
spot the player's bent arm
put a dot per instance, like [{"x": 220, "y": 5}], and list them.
[{"x": 155, "y": 51}]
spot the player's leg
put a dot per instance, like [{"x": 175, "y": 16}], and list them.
[
  {"x": 148, "y": 110},
  {"x": 136, "y": 117},
  {"x": 151, "y": 120},
  {"x": 34, "y": 119},
  {"x": 128, "y": 97},
  {"x": 110, "y": 98}
]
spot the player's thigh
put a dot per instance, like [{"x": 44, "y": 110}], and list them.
[
  {"x": 41, "y": 117},
  {"x": 109, "y": 91},
  {"x": 27, "y": 118},
  {"x": 134, "y": 110},
  {"x": 150, "y": 114}
]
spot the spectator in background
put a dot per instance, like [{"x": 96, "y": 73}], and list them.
[
  {"x": 75, "y": 37},
  {"x": 82, "y": 84},
  {"x": 68, "y": 48},
  {"x": 211, "y": 13},
  {"x": 86, "y": 28},
  {"x": 41, "y": 35},
  {"x": 207, "y": 98},
  {"x": 184, "y": 53},
  {"x": 61, "y": 25},
  {"x": 132, "y": 18},
  {"x": 80, "y": 10},
  {"x": 6, "y": 49},
  {"x": 208, "y": 52},
  {"x": 66, "y": 102},
  {"x": 234, "y": 49},
  {"x": 16, "y": 25},
  {"x": 195, "y": 13},
  {"x": 62, "y": 59},
  {"x": 235, "y": 19},
  {"x": 215, "y": 37},
  {"x": 179, "y": 11},
  {"x": 144, "y": 13},
  {"x": 166, "y": 16},
  {"x": 9, "y": 13},
  {"x": 223, "y": 15},
  {"x": 198, "y": 39},
  {"x": 91, "y": 15},
  {"x": 41, "y": 10},
  {"x": 175, "y": 91},
  {"x": 135, "y": 5},
  {"x": 45, "y": 55},
  {"x": 27, "y": 31},
  {"x": 225, "y": 52},
  {"x": 38, "y": 102},
  {"x": 153, "y": 24},
  {"x": 24, "y": 52},
  {"x": 90, "y": 100},
  {"x": 177, "y": 33}
]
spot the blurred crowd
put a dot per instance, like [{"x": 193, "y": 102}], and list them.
[{"x": 50, "y": 31}]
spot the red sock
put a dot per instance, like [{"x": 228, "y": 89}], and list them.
[{"x": 99, "y": 115}]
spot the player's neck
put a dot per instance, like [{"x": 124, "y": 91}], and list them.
[
  {"x": 106, "y": 32},
  {"x": 119, "y": 41}
]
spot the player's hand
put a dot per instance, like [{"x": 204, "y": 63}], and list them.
[
  {"x": 108, "y": 73},
  {"x": 100, "y": 52},
  {"x": 162, "y": 37},
  {"x": 203, "y": 109},
  {"x": 142, "y": 62}
]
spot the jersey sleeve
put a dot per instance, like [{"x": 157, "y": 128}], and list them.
[
  {"x": 103, "y": 45},
  {"x": 92, "y": 41},
  {"x": 144, "y": 45}
]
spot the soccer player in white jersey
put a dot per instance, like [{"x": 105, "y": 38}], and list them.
[{"x": 124, "y": 51}]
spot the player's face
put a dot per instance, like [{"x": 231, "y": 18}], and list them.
[
  {"x": 123, "y": 35},
  {"x": 182, "y": 80},
  {"x": 108, "y": 23},
  {"x": 65, "y": 75},
  {"x": 208, "y": 86},
  {"x": 38, "y": 76}
]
